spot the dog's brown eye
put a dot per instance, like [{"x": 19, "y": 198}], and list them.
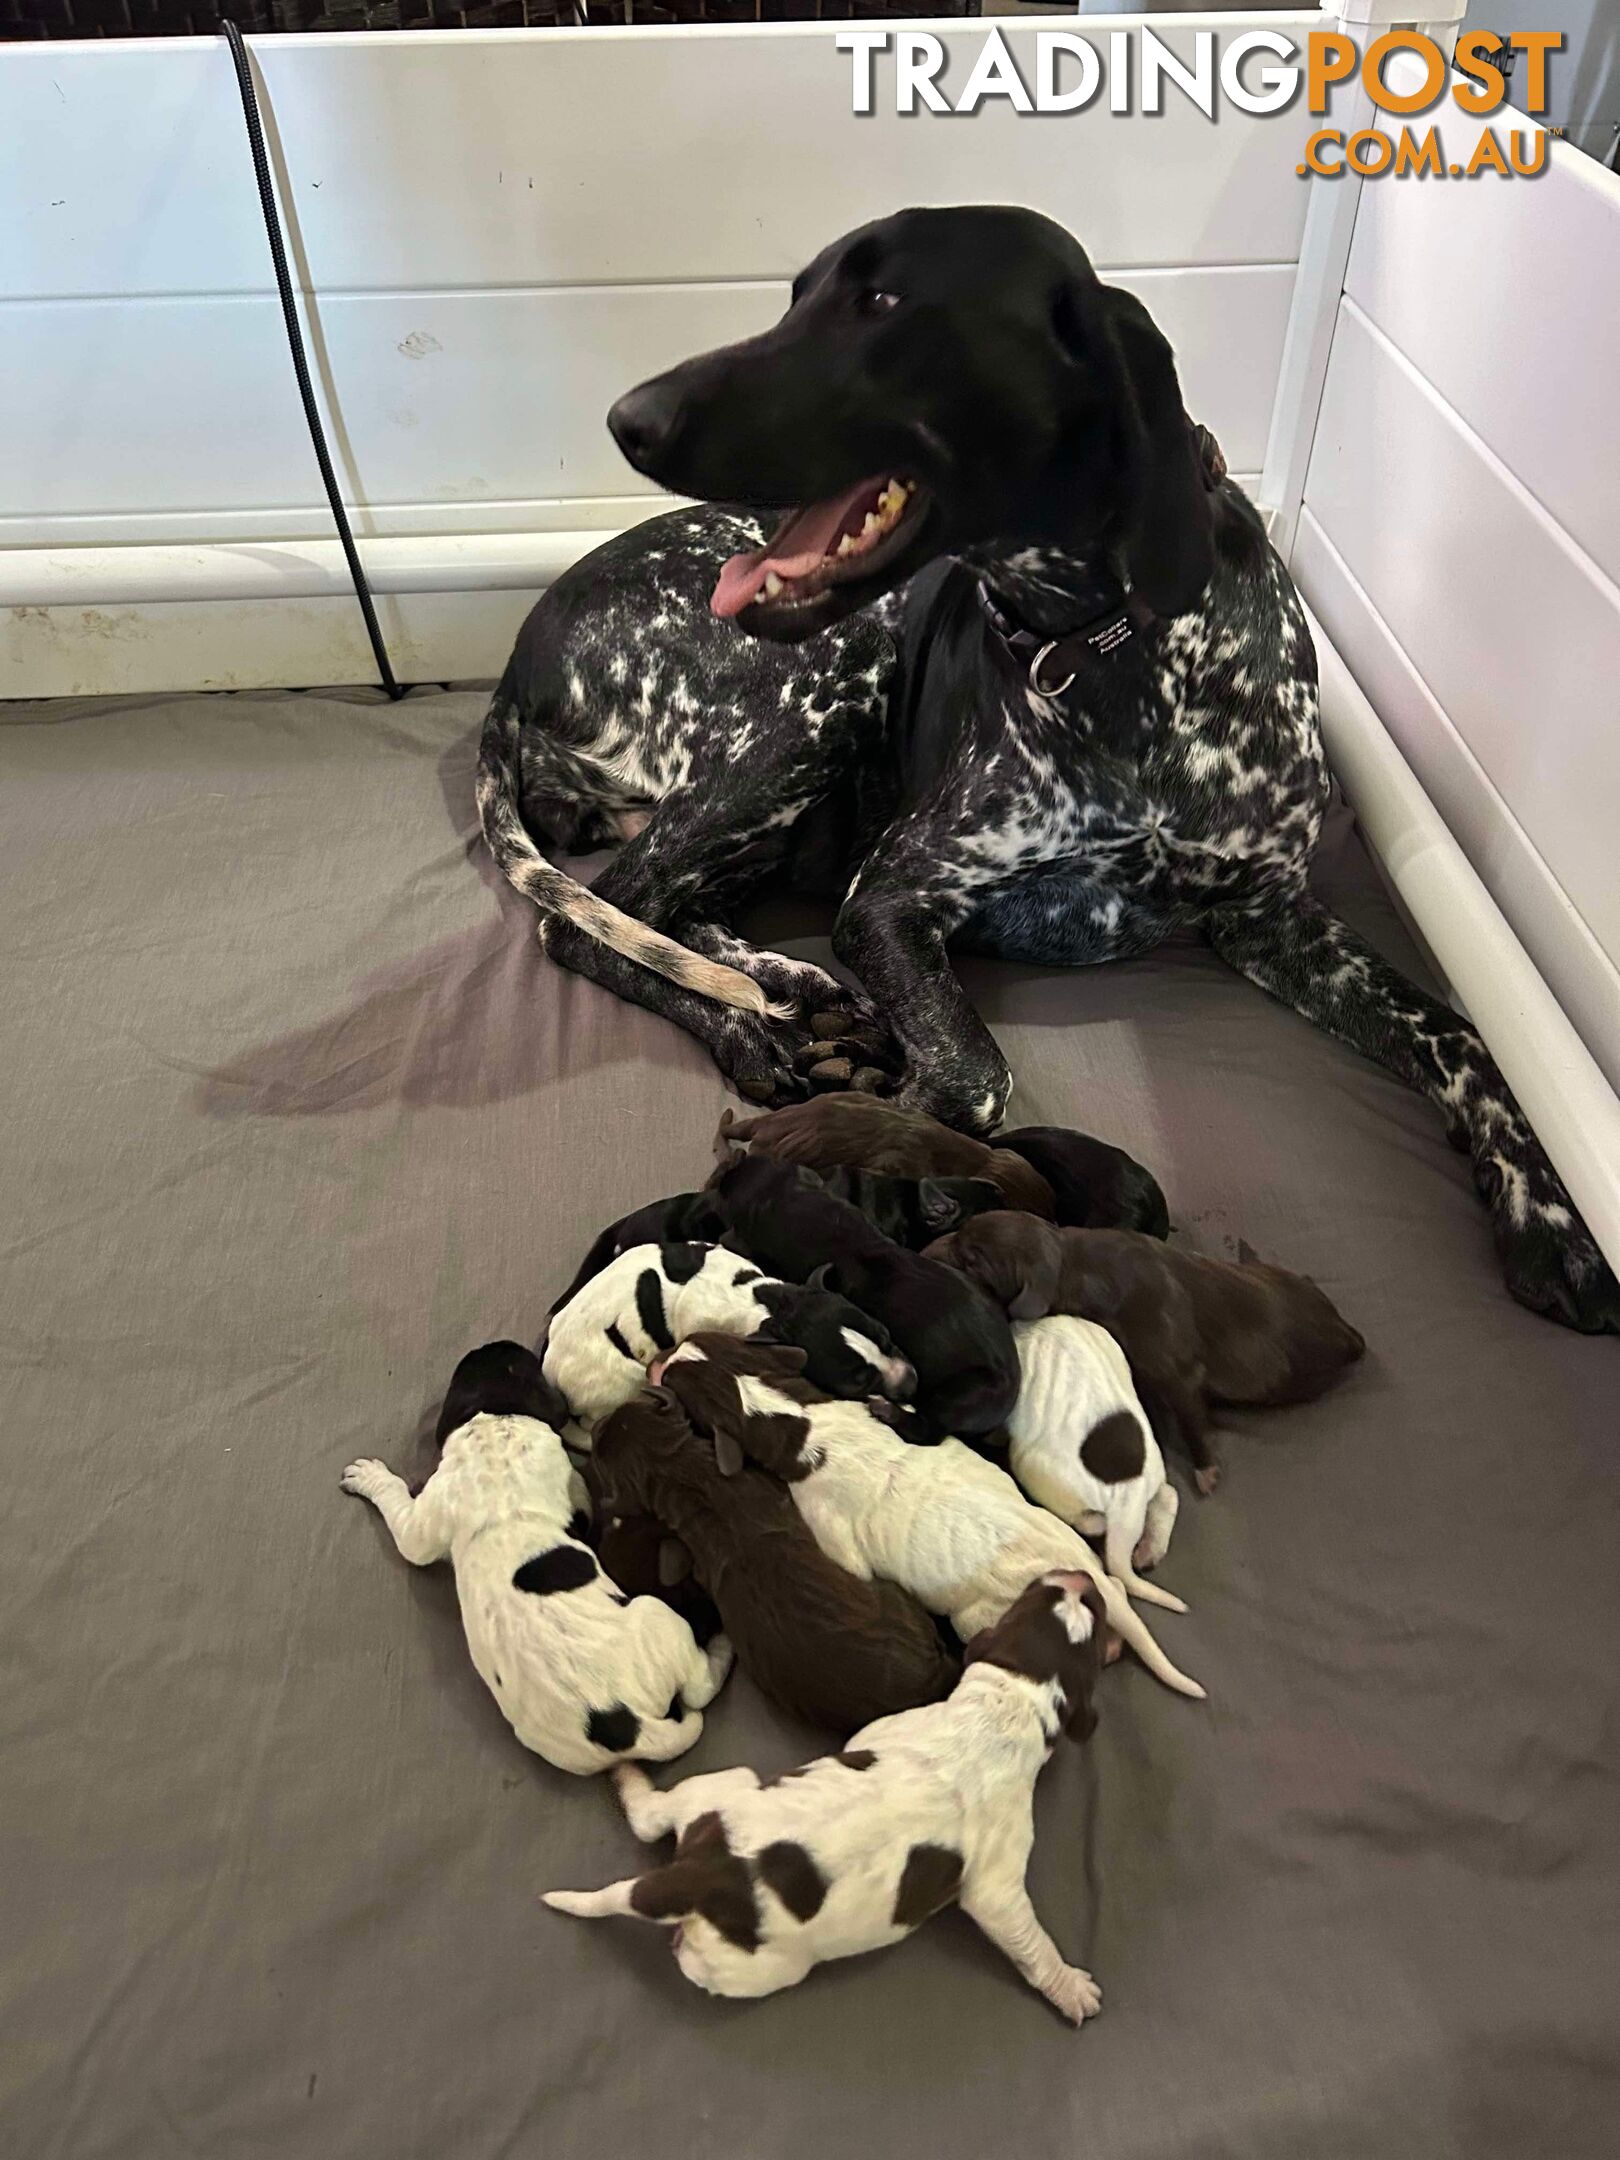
[{"x": 874, "y": 301}]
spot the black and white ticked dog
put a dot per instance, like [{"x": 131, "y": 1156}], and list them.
[{"x": 1036, "y": 686}]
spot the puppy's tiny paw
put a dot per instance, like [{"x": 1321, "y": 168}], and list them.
[
  {"x": 1207, "y": 1479},
  {"x": 720, "y": 1655},
  {"x": 365, "y": 1477},
  {"x": 1076, "y": 1994}
]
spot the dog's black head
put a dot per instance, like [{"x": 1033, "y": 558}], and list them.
[
  {"x": 502, "y": 1379},
  {"x": 850, "y": 1354},
  {"x": 1052, "y": 1634},
  {"x": 942, "y": 379}
]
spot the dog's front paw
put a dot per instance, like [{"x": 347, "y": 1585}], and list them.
[
  {"x": 367, "y": 1477},
  {"x": 1076, "y": 1994},
  {"x": 971, "y": 1103},
  {"x": 1551, "y": 1263}
]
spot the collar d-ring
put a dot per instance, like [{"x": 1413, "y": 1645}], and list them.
[{"x": 1040, "y": 689}]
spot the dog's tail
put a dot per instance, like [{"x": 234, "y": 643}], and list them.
[
  {"x": 596, "y": 1904},
  {"x": 555, "y": 893},
  {"x": 1132, "y": 1629},
  {"x": 1119, "y": 1549}
]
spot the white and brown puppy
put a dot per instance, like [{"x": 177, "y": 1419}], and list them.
[
  {"x": 940, "y": 1521},
  {"x": 855, "y": 1850},
  {"x": 585, "y": 1676},
  {"x": 1080, "y": 1444},
  {"x": 654, "y": 1296}
]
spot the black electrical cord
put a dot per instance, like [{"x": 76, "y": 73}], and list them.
[{"x": 295, "y": 341}]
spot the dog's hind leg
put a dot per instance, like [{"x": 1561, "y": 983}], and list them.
[{"x": 1305, "y": 956}]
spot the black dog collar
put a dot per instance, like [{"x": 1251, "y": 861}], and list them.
[{"x": 1111, "y": 616}]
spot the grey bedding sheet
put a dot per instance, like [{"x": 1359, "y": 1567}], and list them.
[{"x": 295, "y": 1112}]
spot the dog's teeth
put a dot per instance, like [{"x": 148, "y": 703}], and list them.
[
  {"x": 846, "y": 546},
  {"x": 870, "y": 526},
  {"x": 773, "y": 584}
]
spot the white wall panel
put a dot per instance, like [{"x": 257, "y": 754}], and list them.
[
  {"x": 1503, "y": 294},
  {"x": 444, "y": 401},
  {"x": 557, "y": 157},
  {"x": 1584, "y": 979},
  {"x": 1512, "y": 627}
]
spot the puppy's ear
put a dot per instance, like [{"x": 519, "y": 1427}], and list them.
[
  {"x": 713, "y": 1406},
  {"x": 1166, "y": 527},
  {"x": 821, "y": 1277},
  {"x": 1080, "y": 1721},
  {"x": 938, "y": 1210},
  {"x": 1037, "y": 1290},
  {"x": 674, "y": 1562}
]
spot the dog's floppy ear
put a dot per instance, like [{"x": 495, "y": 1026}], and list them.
[
  {"x": 674, "y": 1562},
  {"x": 1038, "y": 1285},
  {"x": 713, "y": 1405},
  {"x": 818, "y": 1278},
  {"x": 935, "y": 1205},
  {"x": 1166, "y": 531}
]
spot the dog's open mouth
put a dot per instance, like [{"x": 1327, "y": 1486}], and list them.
[{"x": 851, "y": 536}]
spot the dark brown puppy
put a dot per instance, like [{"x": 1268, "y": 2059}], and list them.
[
  {"x": 871, "y": 1135},
  {"x": 1194, "y": 1331},
  {"x": 645, "y": 1561},
  {"x": 957, "y": 1342},
  {"x": 833, "y": 1650},
  {"x": 1095, "y": 1186}
]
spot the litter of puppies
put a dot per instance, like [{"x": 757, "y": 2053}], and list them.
[{"x": 791, "y": 1395}]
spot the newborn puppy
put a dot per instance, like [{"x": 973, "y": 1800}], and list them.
[
  {"x": 946, "y": 1525},
  {"x": 1094, "y": 1186},
  {"x": 961, "y": 1348},
  {"x": 584, "y": 1676},
  {"x": 828, "y": 1647},
  {"x": 685, "y": 1218},
  {"x": 867, "y": 1134},
  {"x": 958, "y": 1344},
  {"x": 854, "y": 1850},
  {"x": 654, "y": 1296},
  {"x": 1195, "y": 1332},
  {"x": 1079, "y": 1443},
  {"x": 910, "y": 1211},
  {"x": 645, "y": 1560}
]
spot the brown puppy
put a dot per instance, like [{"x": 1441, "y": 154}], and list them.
[
  {"x": 832, "y": 1649},
  {"x": 867, "y": 1134},
  {"x": 645, "y": 1561},
  {"x": 1194, "y": 1331}
]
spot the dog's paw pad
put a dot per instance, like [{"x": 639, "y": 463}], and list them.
[
  {"x": 757, "y": 1088},
  {"x": 868, "y": 1080},
  {"x": 833, "y": 1072}
]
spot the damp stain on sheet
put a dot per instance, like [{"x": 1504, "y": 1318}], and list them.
[{"x": 417, "y": 344}]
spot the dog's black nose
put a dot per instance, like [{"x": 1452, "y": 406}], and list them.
[{"x": 644, "y": 421}]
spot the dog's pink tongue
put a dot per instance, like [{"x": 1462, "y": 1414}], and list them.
[{"x": 808, "y": 536}]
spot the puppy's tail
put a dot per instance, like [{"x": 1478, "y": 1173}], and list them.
[
  {"x": 1119, "y": 1547},
  {"x": 555, "y": 893},
  {"x": 1132, "y": 1629},
  {"x": 596, "y": 1904}
]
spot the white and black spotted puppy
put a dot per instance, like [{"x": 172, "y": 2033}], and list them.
[
  {"x": 855, "y": 1850},
  {"x": 585, "y": 1676},
  {"x": 654, "y": 1296},
  {"x": 1080, "y": 1443}
]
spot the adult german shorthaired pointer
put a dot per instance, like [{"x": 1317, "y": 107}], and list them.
[{"x": 1023, "y": 677}]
